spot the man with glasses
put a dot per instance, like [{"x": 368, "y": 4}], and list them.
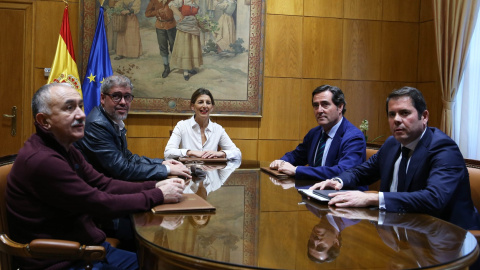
[{"x": 105, "y": 147}]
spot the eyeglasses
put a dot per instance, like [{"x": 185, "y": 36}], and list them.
[{"x": 116, "y": 97}]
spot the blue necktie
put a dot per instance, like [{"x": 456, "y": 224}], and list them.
[
  {"x": 320, "y": 149},
  {"x": 402, "y": 170}
]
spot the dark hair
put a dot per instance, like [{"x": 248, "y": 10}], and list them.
[
  {"x": 41, "y": 98},
  {"x": 199, "y": 92},
  {"x": 415, "y": 95},
  {"x": 332, "y": 253},
  {"x": 337, "y": 95},
  {"x": 115, "y": 80},
  {"x": 195, "y": 224}
]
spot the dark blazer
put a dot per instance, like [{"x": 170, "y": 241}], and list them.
[
  {"x": 437, "y": 179},
  {"x": 347, "y": 150},
  {"x": 409, "y": 235},
  {"x": 106, "y": 149}
]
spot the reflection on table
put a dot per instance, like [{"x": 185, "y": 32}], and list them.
[
  {"x": 259, "y": 224},
  {"x": 209, "y": 177}
]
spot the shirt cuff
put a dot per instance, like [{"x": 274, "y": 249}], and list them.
[
  {"x": 339, "y": 180},
  {"x": 381, "y": 217},
  {"x": 381, "y": 201},
  {"x": 168, "y": 168}
]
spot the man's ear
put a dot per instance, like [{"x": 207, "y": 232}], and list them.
[
  {"x": 425, "y": 116},
  {"x": 102, "y": 99},
  {"x": 43, "y": 120}
]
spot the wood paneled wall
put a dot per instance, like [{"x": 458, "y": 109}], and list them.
[{"x": 365, "y": 47}]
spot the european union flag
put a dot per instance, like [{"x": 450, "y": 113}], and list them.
[{"x": 99, "y": 66}]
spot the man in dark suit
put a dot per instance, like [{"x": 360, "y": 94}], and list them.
[
  {"x": 407, "y": 236},
  {"x": 330, "y": 148},
  {"x": 325, "y": 240},
  {"x": 434, "y": 178}
]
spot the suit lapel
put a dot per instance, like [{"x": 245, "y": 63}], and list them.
[
  {"x": 419, "y": 154},
  {"x": 390, "y": 162},
  {"x": 335, "y": 145}
]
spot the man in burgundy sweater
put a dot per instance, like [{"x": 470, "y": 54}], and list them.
[{"x": 52, "y": 192}]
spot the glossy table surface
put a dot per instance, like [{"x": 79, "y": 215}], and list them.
[{"x": 264, "y": 223}]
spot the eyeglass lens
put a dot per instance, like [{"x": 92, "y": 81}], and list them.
[{"x": 118, "y": 96}]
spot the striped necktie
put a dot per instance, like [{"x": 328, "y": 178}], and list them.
[{"x": 320, "y": 149}]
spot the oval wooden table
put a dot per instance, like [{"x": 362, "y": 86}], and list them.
[{"x": 264, "y": 223}]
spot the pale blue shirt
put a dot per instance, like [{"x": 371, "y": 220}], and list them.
[{"x": 331, "y": 135}]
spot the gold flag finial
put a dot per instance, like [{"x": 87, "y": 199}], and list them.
[
  {"x": 66, "y": 2},
  {"x": 101, "y": 2}
]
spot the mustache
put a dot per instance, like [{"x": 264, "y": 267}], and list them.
[{"x": 78, "y": 122}]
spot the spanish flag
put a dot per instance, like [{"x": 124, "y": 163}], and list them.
[{"x": 64, "y": 68}]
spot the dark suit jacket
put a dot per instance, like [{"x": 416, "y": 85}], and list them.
[
  {"x": 412, "y": 234},
  {"x": 347, "y": 150},
  {"x": 107, "y": 151},
  {"x": 437, "y": 179}
]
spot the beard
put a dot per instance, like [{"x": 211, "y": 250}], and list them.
[
  {"x": 118, "y": 117},
  {"x": 115, "y": 116}
]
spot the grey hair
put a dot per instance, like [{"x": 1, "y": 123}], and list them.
[
  {"x": 115, "y": 80},
  {"x": 41, "y": 98}
]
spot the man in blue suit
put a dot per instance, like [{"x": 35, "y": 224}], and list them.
[
  {"x": 330, "y": 148},
  {"x": 434, "y": 179}
]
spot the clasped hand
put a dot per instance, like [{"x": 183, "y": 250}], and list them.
[
  {"x": 206, "y": 154},
  {"x": 172, "y": 189},
  {"x": 283, "y": 167}
]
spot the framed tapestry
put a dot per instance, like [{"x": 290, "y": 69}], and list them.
[{"x": 231, "y": 37}]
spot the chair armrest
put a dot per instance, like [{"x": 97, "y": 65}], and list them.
[
  {"x": 65, "y": 249},
  {"x": 13, "y": 248},
  {"x": 51, "y": 248}
]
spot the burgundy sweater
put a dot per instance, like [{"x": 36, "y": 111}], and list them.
[{"x": 54, "y": 194}]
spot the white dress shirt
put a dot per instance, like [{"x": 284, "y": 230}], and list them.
[
  {"x": 187, "y": 136},
  {"x": 214, "y": 179}
]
